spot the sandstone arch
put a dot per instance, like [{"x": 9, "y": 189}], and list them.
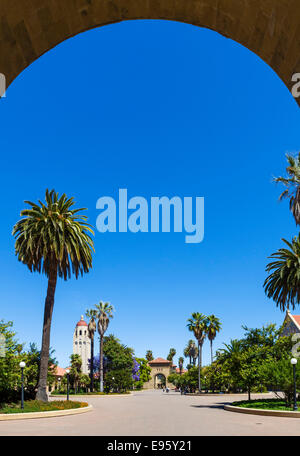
[{"x": 270, "y": 28}]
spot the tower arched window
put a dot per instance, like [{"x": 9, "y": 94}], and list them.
[{"x": 80, "y": 333}]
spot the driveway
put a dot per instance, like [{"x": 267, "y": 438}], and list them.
[{"x": 154, "y": 413}]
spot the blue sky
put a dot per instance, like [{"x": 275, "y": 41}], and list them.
[{"x": 162, "y": 109}]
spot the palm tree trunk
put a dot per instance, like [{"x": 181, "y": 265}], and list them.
[
  {"x": 211, "y": 351},
  {"x": 101, "y": 363},
  {"x": 92, "y": 364},
  {"x": 44, "y": 361},
  {"x": 199, "y": 369}
]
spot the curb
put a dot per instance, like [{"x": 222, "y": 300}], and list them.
[
  {"x": 52, "y": 413},
  {"x": 90, "y": 395},
  {"x": 262, "y": 412}
]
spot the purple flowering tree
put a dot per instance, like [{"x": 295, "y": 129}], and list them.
[{"x": 135, "y": 370}]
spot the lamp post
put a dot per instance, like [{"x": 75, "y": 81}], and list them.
[
  {"x": 22, "y": 365},
  {"x": 58, "y": 383},
  {"x": 294, "y": 362},
  {"x": 68, "y": 382}
]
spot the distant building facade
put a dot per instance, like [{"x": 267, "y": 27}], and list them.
[
  {"x": 291, "y": 324},
  {"x": 160, "y": 370},
  {"x": 82, "y": 344}
]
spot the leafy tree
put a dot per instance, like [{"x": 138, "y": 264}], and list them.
[
  {"x": 278, "y": 375},
  {"x": 31, "y": 371},
  {"x": 292, "y": 184},
  {"x": 149, "y": 355},
  {"x": 53, "y": 239},
  {"x": 118, "y": 380},
  {"x": 118, "y": 355},
  {"x": 283, "y": 282},
  {"x": 105, "y": 311},
  {"x": 213, "y": 327},
  {"x": 10, "y": 373},
  {"x": 92, "y": 315},
  {"x": 9, "y": 364}
]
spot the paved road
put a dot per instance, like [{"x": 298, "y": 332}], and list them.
[{"x": 156, "y": 413}]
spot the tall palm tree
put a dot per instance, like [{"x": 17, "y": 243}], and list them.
[
  {"x": 197, "y": 324},
  {"x": 180, "y": 364},
  {"x": 213, "y": 327},
  {"x": 187, "y": 350},
  {"x": 54, "y": 239},
  {"x": 283, "y": 282},
  {"x": 149, "y": 355},
  {"x": 171, "y": 354},
  {"x": 92, "y": 326},
  {"x": 194, "y": 352},
  {"x": 104, "y": 313},
  {"x": 292, "y": 184}
]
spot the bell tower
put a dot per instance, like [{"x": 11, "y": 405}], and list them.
[{"x": 82, "y": 344}]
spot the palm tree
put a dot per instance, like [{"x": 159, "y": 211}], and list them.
[
  {"x": 149, "y": 355},
  {"x": 180, "y": 364},
  {"x": 53, "y": 239},
  {"x": 197, "y": 324},
  {"x": 232, "y": 350},
  {"x": 187, "y": 351},
  {"x": 75, "y": 371},
  {"x": 213, "y": 327},
  {"x": 92, "y": 315},
  {"x": 292, "y": 184},
  {"x": 283, "y": 282},
  {"x": 171, "y": 354},
  {"x": 105, "y": 311}
]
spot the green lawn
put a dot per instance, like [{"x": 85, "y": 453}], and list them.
[
  {"x": 266, "y": 404},
  {"x": 39, "y": 406}
]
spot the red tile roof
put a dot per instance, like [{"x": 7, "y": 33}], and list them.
[
  {"x": 159, "y": 361},
  {"x": 59, "y": 371},
  {"x": 182, "y": 370},
  {"x": 297, "y": 318},
  {"x": 81, "y": 322}
]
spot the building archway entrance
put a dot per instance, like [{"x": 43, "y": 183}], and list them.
[
  {"x": 160, "y": 381},
  {"x": 269, "y": 28}
]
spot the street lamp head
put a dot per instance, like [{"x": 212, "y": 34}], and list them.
[
  {"x": 293, "y": 361},
  {"x": 22, "y": 364},
  {"x": 67, "y": 371}
]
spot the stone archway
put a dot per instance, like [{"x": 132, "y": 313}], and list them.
[
  {"x": 160, "y": 381},
  {"x": 269, "y": 28}
]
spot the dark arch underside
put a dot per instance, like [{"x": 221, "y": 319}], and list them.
[{"x": 270, "y": 28}]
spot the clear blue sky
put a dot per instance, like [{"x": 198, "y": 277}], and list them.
[{"x": 163, "y": 109}]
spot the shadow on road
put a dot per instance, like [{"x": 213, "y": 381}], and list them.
[{"x": 213, "y": 406}]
